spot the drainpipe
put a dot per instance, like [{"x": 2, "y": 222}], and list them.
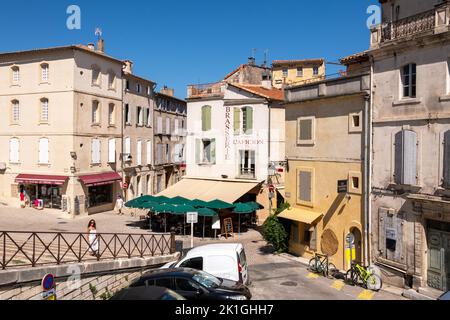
[{"x": 122, "y": 127}]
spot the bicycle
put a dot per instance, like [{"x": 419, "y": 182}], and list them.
[
  {"x": 358, "y": 275},
  {"x": 320, "y": 264}
]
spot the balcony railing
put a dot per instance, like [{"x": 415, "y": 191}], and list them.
[{"x": 205, "y": 90}]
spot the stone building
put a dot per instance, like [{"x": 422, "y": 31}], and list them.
[
  {"x": 326, "y": 131},
  {"x": 170, "y": 114},
  {"x": 289, "y": 72},
  {"x": 411, "y": 144},
  {"x": 61, "y": 129}
]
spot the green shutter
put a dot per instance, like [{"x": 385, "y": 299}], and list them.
[
  {"x": 213, "y": 151},
  {"x": 249, "y": 112},
  {"x": 197, "y": 151},
  {"x": 237, "y": 120},
  {"x": 206, "y": 118}
]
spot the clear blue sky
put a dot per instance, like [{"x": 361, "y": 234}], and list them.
[{"x": 186, "y": 42}]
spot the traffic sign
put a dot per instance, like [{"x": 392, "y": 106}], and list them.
[
  {"x": 350, "y": 238},
  {"x": 192, "y": 217},
  {"x": 48, "y": 282}
]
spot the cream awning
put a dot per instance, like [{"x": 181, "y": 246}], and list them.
[
  {"x": 300, "y": 215},
  {"x": 210, "y": 189}
]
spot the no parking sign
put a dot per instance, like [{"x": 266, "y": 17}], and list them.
[{"x": 48, "y": 287}]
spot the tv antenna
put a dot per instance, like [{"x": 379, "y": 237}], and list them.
[
  {"x": 266, "y": 56},
  {"x": 98, "y": 33}
]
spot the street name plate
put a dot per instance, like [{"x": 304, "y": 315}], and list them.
[{"x": 191, "y": 217}]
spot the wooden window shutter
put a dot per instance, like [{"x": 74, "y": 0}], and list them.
[
  {"x": 305, "y": 130},
  {"x": 43, "y": 151},
  {"x": 305, "y": 180},
  {"x": 237, "y": 121},
  {"x": 14, "y": 150},
  {"x": 410, "y": 158},
  {"x": 249, "y": 120},
  {"x": 398, "y": 172},
  {"x": 446, "y": 168},
  {"x": 112, "y": 151},
  {"x": 206, "y": 118},
  {"x": 197, "y": 151},
  {"x": 213, "y": 151}
]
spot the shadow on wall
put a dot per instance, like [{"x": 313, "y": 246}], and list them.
[{"x": 334, "y": 206}]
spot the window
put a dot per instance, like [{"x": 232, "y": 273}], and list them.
[
  {"x": 409, "y": 80},
  {"x": 138, "y": 87},
  {"x": 43, "y": 151},
  {"x": 194, "y": 263},
  {"x": 95, "y": 75},
  {"x": 186, "y": 285},
  {"x": 304, "y": 186},
  {"x": 139, "y": 116},
  {"x": 285, "y": 73},
  {"x": 355, "y": 122},
  {"x": 306, "y": 130},
  {"x": 176, "y": 126},
  {"x": 44, "y": 110},
  {"x": 164, "y": 283},
  {"x": 406, "y": 158},
  {"x": 15, "y": 74},
  {"x": 45, "y": 72},
  {"x": 300, "y": 72},
  {"x": 127, "y": 115},
  {"x": 149, "y": 152},
  {"x": 168, "y": 157},
  {"x": 127, "y": 85},
  {"x": 95, "y": 151},
  {"x": 148, "y": 119},
  {"x": 390, "y": 235},
  {"x": 149, "y": 90},
  {"x": 159, "y": 126},
  {"x": 354, "y": 182},
  {"x": 159, "y": 153},
  {"x": 112, "y": 151},
  {"x": 14, "y": 150},
  {"x": 95, "y": 112},
  {"x": 139, "y": 153},
  {"x": 168, "y": 126},
  {"x": 127, "y": 145},
  {"x": 178, "y": 153},
  {"x": 315, "y": 70},
  {"x": 111, "y": 80},
  {"x": 15, "y": 112},
  {"x": 247, "y": 120},
  {"x": 206, "y": 118},
  {"x": 112, "y": 114},
  {"x": 205, "y": 151},
  {"x": 247, "y": 164}
]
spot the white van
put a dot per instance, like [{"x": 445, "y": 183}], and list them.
[{"x": 227, "y": 261}]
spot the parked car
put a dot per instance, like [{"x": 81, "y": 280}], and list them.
[
  {"x": 147, "y": 293},
  {"x": 226, "y": 261},
  {"x": 445, "y": 296},
  {"x": 194, "y": 284}
]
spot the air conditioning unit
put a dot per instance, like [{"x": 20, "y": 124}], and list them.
[{"x": 2, "y": 166}]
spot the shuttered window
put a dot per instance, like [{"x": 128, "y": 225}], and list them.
[
  {"x": 15, "y": 111},
  {"x": 14, "y": 150},
  {"x": 112, "y": 114},
  {"x": 127, "y": 114},
  {"x": 44, "y": 110},
  {"x": 305, "y": 130},
  {"x": 148, "y": 119},
  {"x": 168, "y": 129},
  {"x": 406, "y": 158},
  {"x": 95, "y": 150},
  {"x": 139, "y": 116},
  {"x": 304, "y": 186},
  {"x": 446, "y": 166},
  {"x": 112, "y": 151},
  {"x": 149, "y": 150},
  {"x": 159, "y": 126},
  {"x": 128, "y": 145},
  {"x": 95, "y": 112},
  {"x": 43, "y": 151},
  {"x": 139, "y": 153},
  {"x": 176, "y": 126},
  {"x": 44, "y": 72},
  {"x": 247, "y": 120},
  {"x": 206, "y": 118},
  {"x": 15, "y": 74},
  {"x": 390, "y": 235},
  {"x": 237, "y": 121},
  {"x": 159, "y": 153}
]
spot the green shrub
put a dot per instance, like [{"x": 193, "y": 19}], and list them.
[{"x": 275, "y": 234}]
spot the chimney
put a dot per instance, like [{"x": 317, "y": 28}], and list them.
[
  {"x": 251, "y": 61},
  {"x": 91, "y": 46},
  {"x": 101, "y": 46},
  {"x": 267, "y": 84},
  {"x": 168, "y": 91},
  {"x": 128, "y": 68}
]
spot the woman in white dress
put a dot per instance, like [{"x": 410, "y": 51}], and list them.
[{"x": 92, "y": 238}]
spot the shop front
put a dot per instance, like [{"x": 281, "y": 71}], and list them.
[
  {"x": 42, "y": 191},
  {"x": 101, "y": 191}
]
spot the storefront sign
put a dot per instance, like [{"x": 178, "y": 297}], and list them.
[
  {"x": 248, "y": 142},
  {"x": 227, "y": 133}
]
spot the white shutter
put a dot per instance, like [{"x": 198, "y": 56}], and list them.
[
  {"x": 176, "y": 153},
  {"x": 112, "y": 151},
  {"x": 127, "y": 146},
  {"x": 149, "y": 152},
  {"x": 43, "y": 151},
  {"x": 96, "y": 157},
  {"x": 176, "y": 127},
  {"x": 160, "y": 125},
  {"x": 14, "y": 150},
  {"x": 139, "y": 153},
  {"x": 167, "y": 125},
  {"x": 410, "y": 158}
]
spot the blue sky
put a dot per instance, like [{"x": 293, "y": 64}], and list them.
[{"x": 187, "y": 42}]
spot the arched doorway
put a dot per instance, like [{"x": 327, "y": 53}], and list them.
[{"x": 357, "y": 244}]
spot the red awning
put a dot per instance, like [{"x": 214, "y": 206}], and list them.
[
  {"x": 100, "y": 179},
  {"x": 41, "y": 179}
]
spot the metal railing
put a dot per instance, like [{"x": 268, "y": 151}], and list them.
[
  {"x": 409, "y": 26},
  {"x": 208, "y": 89},
  {"x": 32, "y": 249}
]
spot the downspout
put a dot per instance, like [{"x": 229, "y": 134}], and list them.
[{"x": 122, "y": 126}]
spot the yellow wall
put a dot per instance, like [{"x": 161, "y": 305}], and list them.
[
  {"x": 277, "y": 74},
  {"x": 341, "y": 213}
]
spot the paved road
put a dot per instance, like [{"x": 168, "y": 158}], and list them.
[{"x": 274, "y": 277}]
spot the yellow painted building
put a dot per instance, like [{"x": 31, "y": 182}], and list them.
[
  {"x": 290, "y": 72},
  {"x": 325, "y": 148}
]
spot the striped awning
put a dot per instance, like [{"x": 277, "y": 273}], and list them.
[{"x": 41, "y": 179}]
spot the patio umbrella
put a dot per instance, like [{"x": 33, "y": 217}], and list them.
[
  {"x": 164, "y": 208},
  {"x": 180, "y": 201},
  {"x": 219, "y": 204},
  {"x": 255, "y": 205},
  {"x": 206, "y": 212},
  {"x": 242, "y": 208},
  {"x": 199, "y": 203}
]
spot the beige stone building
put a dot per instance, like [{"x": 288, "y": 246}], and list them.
[
  {"x": 138, "y": 144},
  {"x": 61, "y": 129},
  {"x": 411, "y": 144},
  {"x": 289, "y": 72},
  {"x": 170, "y": 122}
]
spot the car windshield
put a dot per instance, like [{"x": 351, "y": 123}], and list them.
[
  {"x": 171, "y": 296},
  {"x": 207, "y": 279}
]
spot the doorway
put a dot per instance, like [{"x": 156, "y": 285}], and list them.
[{"x": 438, "y": 274}]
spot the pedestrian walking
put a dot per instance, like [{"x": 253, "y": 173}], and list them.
[
  {"x": 92, "y": 238},
  {"x": 119, "y": 205}
]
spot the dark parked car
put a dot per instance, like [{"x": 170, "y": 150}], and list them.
[
  {"x": 147, "y": 293},
  {"x": 195, "y": 284},
  {"x": 445, "y": 296}
]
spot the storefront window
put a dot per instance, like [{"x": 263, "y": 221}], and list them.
[
  {"x": 100, "y": 195},
  {"x": 50, "y": 195}
]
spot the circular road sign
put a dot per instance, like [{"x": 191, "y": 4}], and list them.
[{"x": 48, "y": 282}]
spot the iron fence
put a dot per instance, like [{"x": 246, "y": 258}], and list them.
[{"x": 32, "y": 249}]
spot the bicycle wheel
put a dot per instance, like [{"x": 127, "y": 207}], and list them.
[
  {"x": 374, "y": 282},
  {"x": 351, "y": 277},
  {"x": 331, "y": 269},
  {"x": 312, "y": 265}
]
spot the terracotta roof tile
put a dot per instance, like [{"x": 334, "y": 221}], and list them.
[{"x": 271, "y": 94}]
